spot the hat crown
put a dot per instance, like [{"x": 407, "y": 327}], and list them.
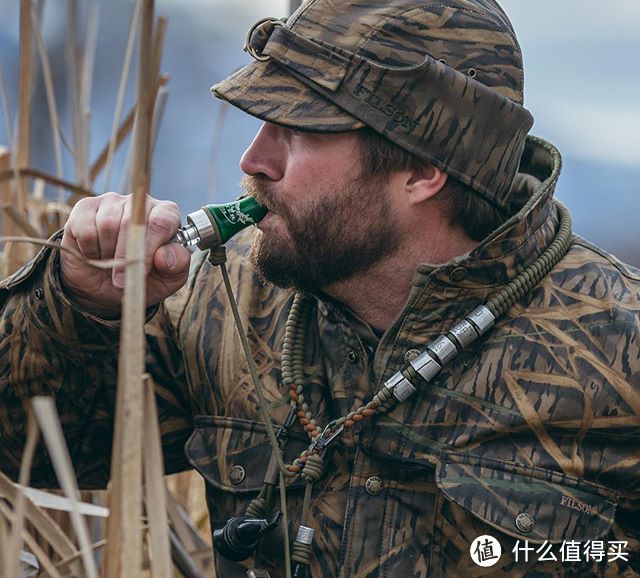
[
  {"x": 474, "y": 37},
  {"x": 441, "y": 79}
]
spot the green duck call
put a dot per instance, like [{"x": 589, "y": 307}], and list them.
[{"x": 213, "y": 225}]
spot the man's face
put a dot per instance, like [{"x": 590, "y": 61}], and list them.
[{"x": 325, "y": 221}]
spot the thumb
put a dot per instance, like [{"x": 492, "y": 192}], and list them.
[{"x": 171, "y": 260}]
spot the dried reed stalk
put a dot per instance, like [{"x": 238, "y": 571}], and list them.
[
  {"x": 24, "y": 98},
  {"x": 21, "y": 221},
  {"x": 14, "y": 221},
  {"x": 74, "y": 557},
  {"x": 12, "y": 567},
  {"x": 45, "y": 412},
  {"x": 51, "y": 501},
  {"x": 155, "y": 487},
  {"x": 123, "y": 131},
  {"x": 17, "y": 195},
  {"x": 51, "y": 99},
  {"x": 8, "y": 193},
  {"x": 190, "y": 539},
  {"x": 158, "y": 46},
  {"x": 124, "y": 76},
  {"x": 124, "y": 536},
  {"x": 4, "y": 533},
  {"x": 180, "y": 487},
  {"x": 73, "y": 78},
  {"x": 57, "y": 539},
  {"x": 86, "y": 81},
  {"x": 106, "y": 155},
  {"x": 6, "y": 198},
  {"x": 160, "y": 94},
  {"x": 33, "y": 545},
  {"x": 38, "y": 174},
  {"x": 4, "y": 97}
]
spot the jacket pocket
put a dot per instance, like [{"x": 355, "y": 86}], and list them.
[
  {"x": 233, "y": 454},
  {"x": 518, "y": 506},
  {"x": 527, "y": 502}
]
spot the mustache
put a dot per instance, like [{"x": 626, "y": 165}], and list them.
[{"x": 260, "y": 188}]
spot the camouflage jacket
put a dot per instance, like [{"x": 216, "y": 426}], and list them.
[{"x": 531, "y": 434}]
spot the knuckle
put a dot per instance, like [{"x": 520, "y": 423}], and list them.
[
  {"x": 86, "y": 235},
  {"x": 163, "y": 224},
  {"x": 85, "y": 204},
  {"x": 112, "y": 201},
  {"x": 171, "y": 207},
  {"x": 108, "y": 227}
]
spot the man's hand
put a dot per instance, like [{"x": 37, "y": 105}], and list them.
[{"x": 97, "y": 228}]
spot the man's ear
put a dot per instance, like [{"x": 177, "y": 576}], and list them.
[{"x": 424, "y": 183}]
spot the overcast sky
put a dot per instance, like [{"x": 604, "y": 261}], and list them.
[{"x": 582, "y": 82}]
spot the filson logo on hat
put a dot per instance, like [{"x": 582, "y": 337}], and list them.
[{"x": 387, "y": 108}]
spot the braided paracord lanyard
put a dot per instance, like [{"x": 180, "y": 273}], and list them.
[{"x": 403, "y": 383}]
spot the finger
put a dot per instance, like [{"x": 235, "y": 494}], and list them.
[
  {"x": 170, "y": 272},
  {"x": 80, "y": 228},
  {"x": 171, "y": 261},
  {"x": 108, "y": 223},
  {"x": 163, "y": 222}
]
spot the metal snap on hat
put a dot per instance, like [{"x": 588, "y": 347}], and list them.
[{"x": 441, "y": 79}]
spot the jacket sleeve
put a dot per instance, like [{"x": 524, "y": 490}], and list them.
[{"x": 50, "y": 347}]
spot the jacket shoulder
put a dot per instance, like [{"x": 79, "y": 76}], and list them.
[
  {"x": 582, "y": 249},
  {"x": 589, "y": 274}
]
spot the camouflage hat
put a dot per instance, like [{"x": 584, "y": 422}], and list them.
[{"x": 442, "y": 79}]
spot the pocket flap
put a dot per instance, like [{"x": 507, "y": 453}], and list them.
[
  {"x": 233, "y": 454},
  {"x": 527, "y": 503}
]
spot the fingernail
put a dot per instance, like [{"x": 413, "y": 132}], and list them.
[
  {"x": 170, "y": 258},
  {"x": 118, "y": 279}
]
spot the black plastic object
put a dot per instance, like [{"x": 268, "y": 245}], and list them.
[
  {"x": 301, "y": 571},
  {"x": 238, "y": 538}
]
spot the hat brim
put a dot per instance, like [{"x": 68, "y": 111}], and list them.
[{"x": 267, "y": 91}]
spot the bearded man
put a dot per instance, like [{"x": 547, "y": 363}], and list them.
[{"x": 463, "y": 372}]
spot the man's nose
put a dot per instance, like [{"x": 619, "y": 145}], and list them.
[{"x": 266, "y": 154}]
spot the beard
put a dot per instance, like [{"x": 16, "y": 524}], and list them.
[{"x": 330, "y": 239}]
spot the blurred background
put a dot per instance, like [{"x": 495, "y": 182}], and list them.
[{"x": 581, "y": 85}]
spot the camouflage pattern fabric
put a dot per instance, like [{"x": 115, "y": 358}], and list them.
[
  {"x": 442, "y": 80},
  {"x": 533, "y": 433}
]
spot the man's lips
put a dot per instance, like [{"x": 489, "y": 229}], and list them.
[{"x": 265, "y": 220}]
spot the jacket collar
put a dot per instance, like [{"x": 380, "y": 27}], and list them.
[{"x": 521, "y": 239}]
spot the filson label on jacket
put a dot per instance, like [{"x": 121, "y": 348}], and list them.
[
  {"x": 386, "y": 108},
  {"x": 574, "y": 504}
]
